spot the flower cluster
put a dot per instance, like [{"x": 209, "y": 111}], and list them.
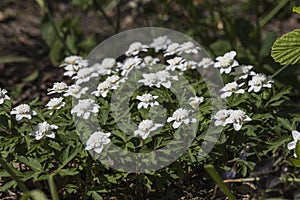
[
  {"x": 235, "y": 117},
  {"x": 97, "y": 141},
  {"x": 165, "y": 70}
]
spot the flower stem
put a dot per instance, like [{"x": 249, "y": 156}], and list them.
[{"x": 280, "y": 70}]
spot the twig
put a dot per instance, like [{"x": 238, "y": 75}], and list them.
[{"x": 240, "y": 180}]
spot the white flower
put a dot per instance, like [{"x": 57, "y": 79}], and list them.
[
  {"x": 242, "y": 72},
  {"x": 22, "y": 111},
  {"x": 129, "y": 64},
  {"x": 231, "y": 88},
  {"x": 160, "y": 43},
  {"x": 102, "y": 89},
  {"x": 72, "y": 64},
  {"x": 43, "y": 129},
  {"x": 226, "y": 62},
  {"x": 85, "y": 74},
  {"x": 172, "y": 49},
  {"x": 149, "y": 61},
  {"x": 188, "y": 65},
  {"x": 3, "y": 96},
  {"x": 111, "y": 83},
  {"x": 145, "y": 128},
  {"x": 157, "y": 79},
  {"x": 71, "y": 60},
  {"x": 174, "y": 63},
  {"x": 149, "y": 79},
  {"x": 206, "y": 62},
  {"x": 135, "y": 48},
  {"x": 75, "y": 91},
  {"x": 181, "y": 116},
  {"x": 58, "y": 87},
  {"x": 237, "y": 117},
  {"x": 259, "y": 81},
  {"x": 195, "y": 101},
  {"x": 164, "y": 78},
  {"x": 97, "y": 141},
  {"x": 85, "y": 107},
  {"x": 221, "y": 117},
  {"x": 106, "y": 66},
  {"x": 188, "y": 47},
  {"x": 55, "y": 103},
  {"x": 147, "y": 100},
  {"x": 296, "y": 138},
  {"x": 115, "y": 80}
]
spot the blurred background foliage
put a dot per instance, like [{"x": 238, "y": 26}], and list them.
[{"x": 40, "y": 33}]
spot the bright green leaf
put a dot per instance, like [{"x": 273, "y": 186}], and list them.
[
  {"x": 296, "y": 9},
  {"x": 286, "y": 49}
]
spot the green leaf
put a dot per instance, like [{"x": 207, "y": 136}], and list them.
[
  {"x": 295, "y": 162},
  {"x": 8, "y": 185},
  {"x": 13, "y": 59},
  {"x": 34, "y": 194},
  {"x": 68, "y": 172},
  {"x": 31, "y": 77},
  {"x": 96, "y": 196},
  {"x": 31, "y": 162},
  {"x": 286, "y": 49},
  {"x": 55, "y": 52},
  {"x": 296, "y": 9},
  {"x": 297, "y": 149}
]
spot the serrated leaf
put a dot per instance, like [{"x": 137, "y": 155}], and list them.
[
  {"x": 8, "y": 185},
  {"x": 68, "y": 172},
  {"x": 31, "y": 162},
  {"x": 286, "y": 49}
]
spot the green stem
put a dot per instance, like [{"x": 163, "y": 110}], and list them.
[
  {"x": 48, "y": 12},
  {"x": 273, "y": 12},
  {"x": 13, "y": 175},
  {"x": 280, "y": 70},
  {"x": 52, "y": 187}
]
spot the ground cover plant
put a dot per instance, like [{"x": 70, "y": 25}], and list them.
[{"x": 49, "y": 151}]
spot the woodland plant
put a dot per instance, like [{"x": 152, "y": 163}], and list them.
[{"x": 41, "y": 144}]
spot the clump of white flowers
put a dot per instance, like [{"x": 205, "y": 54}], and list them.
[
  {"x": 180, "y": 116},
  {"x": 56, "y": 103},
  {"x": 23, "y": 111},
  {"x": 195, "y": 101},
  {"x": 226, "y": 62},
  {"x": 58, "y": 87},
  {"x": 231, "y": 88},
  {"x": 97, "y": 141},
  {"x": 158, "y": 71},
  {"x": 147, "y": 100},
  {"x": 44, "y": 129},
  {"x": 235, "y": 117},
  {"x": 259, "y": 81},
  {"x": 85, "y": 107},
  {"x": 145, "y": 128},
  {"x": 73, "y": 64}
]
